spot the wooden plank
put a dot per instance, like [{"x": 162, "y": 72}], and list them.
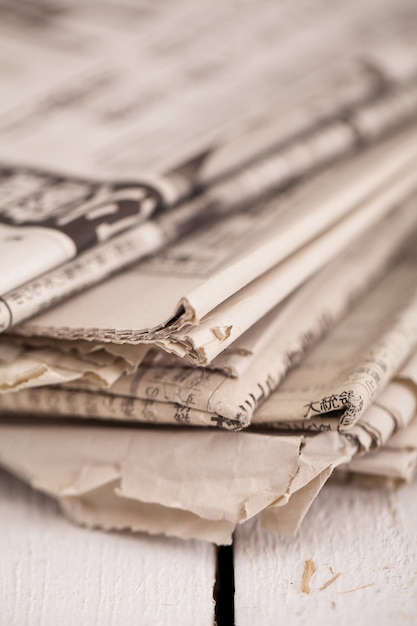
[
  {"x": 53, "y": 572},
  {"x": 363, "y": 548}
]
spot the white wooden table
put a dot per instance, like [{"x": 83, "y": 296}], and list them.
[
  {"x": 368, "y": 537},
  {"x": 53, "y": 573},
  {"x": 363, "y": 545}
]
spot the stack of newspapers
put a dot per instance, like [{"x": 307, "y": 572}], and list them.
[{"x": 208, "y": 253}]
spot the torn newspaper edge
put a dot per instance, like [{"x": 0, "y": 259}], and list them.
[{"x": 186, "y": 483}]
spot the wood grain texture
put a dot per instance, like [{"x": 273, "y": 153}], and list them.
[
  {"x": 52, "y": 572},
  {"x": 364, "y": 548}
]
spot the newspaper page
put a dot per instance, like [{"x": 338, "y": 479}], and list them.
[
  {"x": 392, "y": 412},
  {"x": 35, "y": 201},
  {"x": 319, "y": 457},
  {"x": 395, "y": 410},
  {"x": 152, "y": 88},
  {"x": 392, "y": 466},
  {"x": 228, "y": 321},
  {"x": 189, "y": 282},
  {"x": 21, "y": 367},
  {"x": 109, "y": 208},
  {"x": 197, "y": 396},
  {"x": 47, "y": 219},
  {"x": 117, "y": 478},
  {"x": 203, "y": 499},
  {"x": 392, "y": 459},
  {"x": 345, "y": 373},
  {"x": 203, "y": 342},
  {"x": 46, "y": 352},
  {"x": 70, "y": 213}
]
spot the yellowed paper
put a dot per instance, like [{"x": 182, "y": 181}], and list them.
[{"x": 175, "y": 473}]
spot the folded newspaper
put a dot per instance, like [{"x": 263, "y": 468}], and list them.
[
  {"x": 115, "y": 477},
  {"x": 250, "y": 215},
  {"x": 144, "y": 151},
  {"x": 190, "y": 298},
  {"x": 202, "y": 484},
  {"x": 357, "y": 358}
]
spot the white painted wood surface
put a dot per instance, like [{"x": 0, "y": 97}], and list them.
[
  {"x": 369, "y": 537},
  {"x": 54, "y": 573}
]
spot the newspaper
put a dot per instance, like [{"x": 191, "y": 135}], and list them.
[
  {"x": 172, "y": 393},
  {"x": 250, "y": 306},
  {"x": 116, "y": 478},
  {"x": 194, "y": 278},
  {"x": 151, "y": 479},
  {"x": 389, "y": 434},
  {"x": 395, "y": 410},
  {"x": 392, "y": 412},
  {"x": 152, "y": 88},
  {"x": 204, "y": 499},
  {"x": 342, "y": 376},
  {"x": 224, "y": 324},
  {"x": 47, "y": 219},
  {"x": 239, "y": 191},
  {"x": 21, "y": 367},
  {"x": 320, "y": 456},
  {"x": 392, "y": 466},
  {"x": 60, "y": 211}
]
